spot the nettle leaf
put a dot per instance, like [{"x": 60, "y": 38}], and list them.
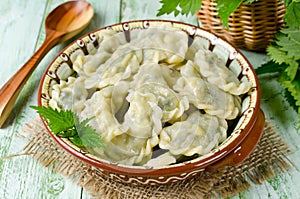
[
  {"x": 292, "y": 15},
  {"x": 292, "y": 69},
  {"x": 89, "y": 136},
  {"x": 290, "y": 44},
  {"x": 190, "y": 6},
  {"x": 77, "y": 141},
  {"x": 168, "y": 6},
  {"x": 270, "y": 67},
  {"x": 57, "y": 120},
  {"x": 183, "y": 7},
  {"x": 287, "y": 50},
  {"x": 66, "y": 124},
  {"x": 290, "y": 99},
  {"x": 287, "y": 2},
  {"x": 67, "y": 133},
  {"x": 80, "y": 126},
  {"x": 276, "y": 54},
  {"x": 226, "y": 8}
]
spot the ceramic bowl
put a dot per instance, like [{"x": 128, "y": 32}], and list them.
[{"x": 235, "y": 149}]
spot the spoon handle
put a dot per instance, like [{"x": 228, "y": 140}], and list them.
[{"x": 11, "y": 89}]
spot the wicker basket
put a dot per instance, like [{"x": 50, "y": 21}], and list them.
[{"x": 251, "y": 26}]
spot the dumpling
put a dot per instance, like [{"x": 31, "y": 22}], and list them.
[
  {"x": 125, "y": 143},
  {"x": 92, "y": 65},
  {"x": 198, "y": 134},
  {"x": 204, "y": 95},
  {"x": 143, "y": 117},
  {"x": 171, "y": 43},
  {"x": 117, "y": 70},
  {"x": 127, "y": 150},
  {"x": 89, "y": 64},
  {"x": 152, "y": 79},
  {"x": 70, "y": 94},
  {"x": 214, "y": 70},
  {"x": 100, "y": 107},
  {"x": 198, "y": 44},
  {"x": 171, "y": 104},
  {"x": 170, "y": 75},
  {"x": 148, "y": 73},
  {"x": 161, "y": 160},
  {"x": 118, "y": 96}
]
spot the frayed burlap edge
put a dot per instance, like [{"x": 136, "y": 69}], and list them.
[{"x": 268, "y": 159}]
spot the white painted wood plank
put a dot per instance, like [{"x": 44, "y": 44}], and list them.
[
  {"x": 106, "y": 13},
  {"x": 23, "y": 177},
  {"x": 18, "y": 35},
  {"x": 15, "y": 19}
]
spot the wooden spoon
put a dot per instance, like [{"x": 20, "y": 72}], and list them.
[{"x": 61, "y": 24}]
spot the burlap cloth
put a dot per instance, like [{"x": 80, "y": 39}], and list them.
[{"x": 268, "y": 159}]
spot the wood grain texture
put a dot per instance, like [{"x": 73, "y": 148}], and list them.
[
  {"x": 15, "y": 20},
  {"x": 22, "y": 32},
  {"x": 61, "y": 24}
]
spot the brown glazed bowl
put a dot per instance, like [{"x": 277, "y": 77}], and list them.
[{"x": 234, "y": 150}]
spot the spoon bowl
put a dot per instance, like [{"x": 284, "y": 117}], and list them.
[
  {"x": 63, "y": 23},
  {"x": 65, "y": 18}
]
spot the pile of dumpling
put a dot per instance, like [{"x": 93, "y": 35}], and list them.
[{"x": 154, "y": 92}]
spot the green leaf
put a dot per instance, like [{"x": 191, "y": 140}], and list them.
[
  {"x": 285, "y": 55},
  {"x": 168, "y": 6},
  {"x": 276, "y": 54},
  {"x": 287, "y": 50},
  {"x": 287, "y": 2},
  {"x": 294, "y": 34},
  {"x": 77, "y": 141},
  {"x": 183, "y": 7},
  {"x": 89, "y": 136},
  {"x": 190, "y": 6},
  {"x": 292, "y": 69},
  {"x": 270, "y": 67},
  {"x": 290, "y": 99},
  {"x": 290, "y": 42},
  {"x": 57, "y": 120},
  {"x": 66, "y": 124},
  {"x": 226, "y": 8},
  {"x": 80, "y": 126},
  {"x": 250, "y": 1},
  {"x": 293, "y": 86},
  {"x": 292, "y": 15},
  {"x": 67, "y": 133}
]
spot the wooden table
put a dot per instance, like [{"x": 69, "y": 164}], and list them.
[{"x": 22, "y": 32}]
